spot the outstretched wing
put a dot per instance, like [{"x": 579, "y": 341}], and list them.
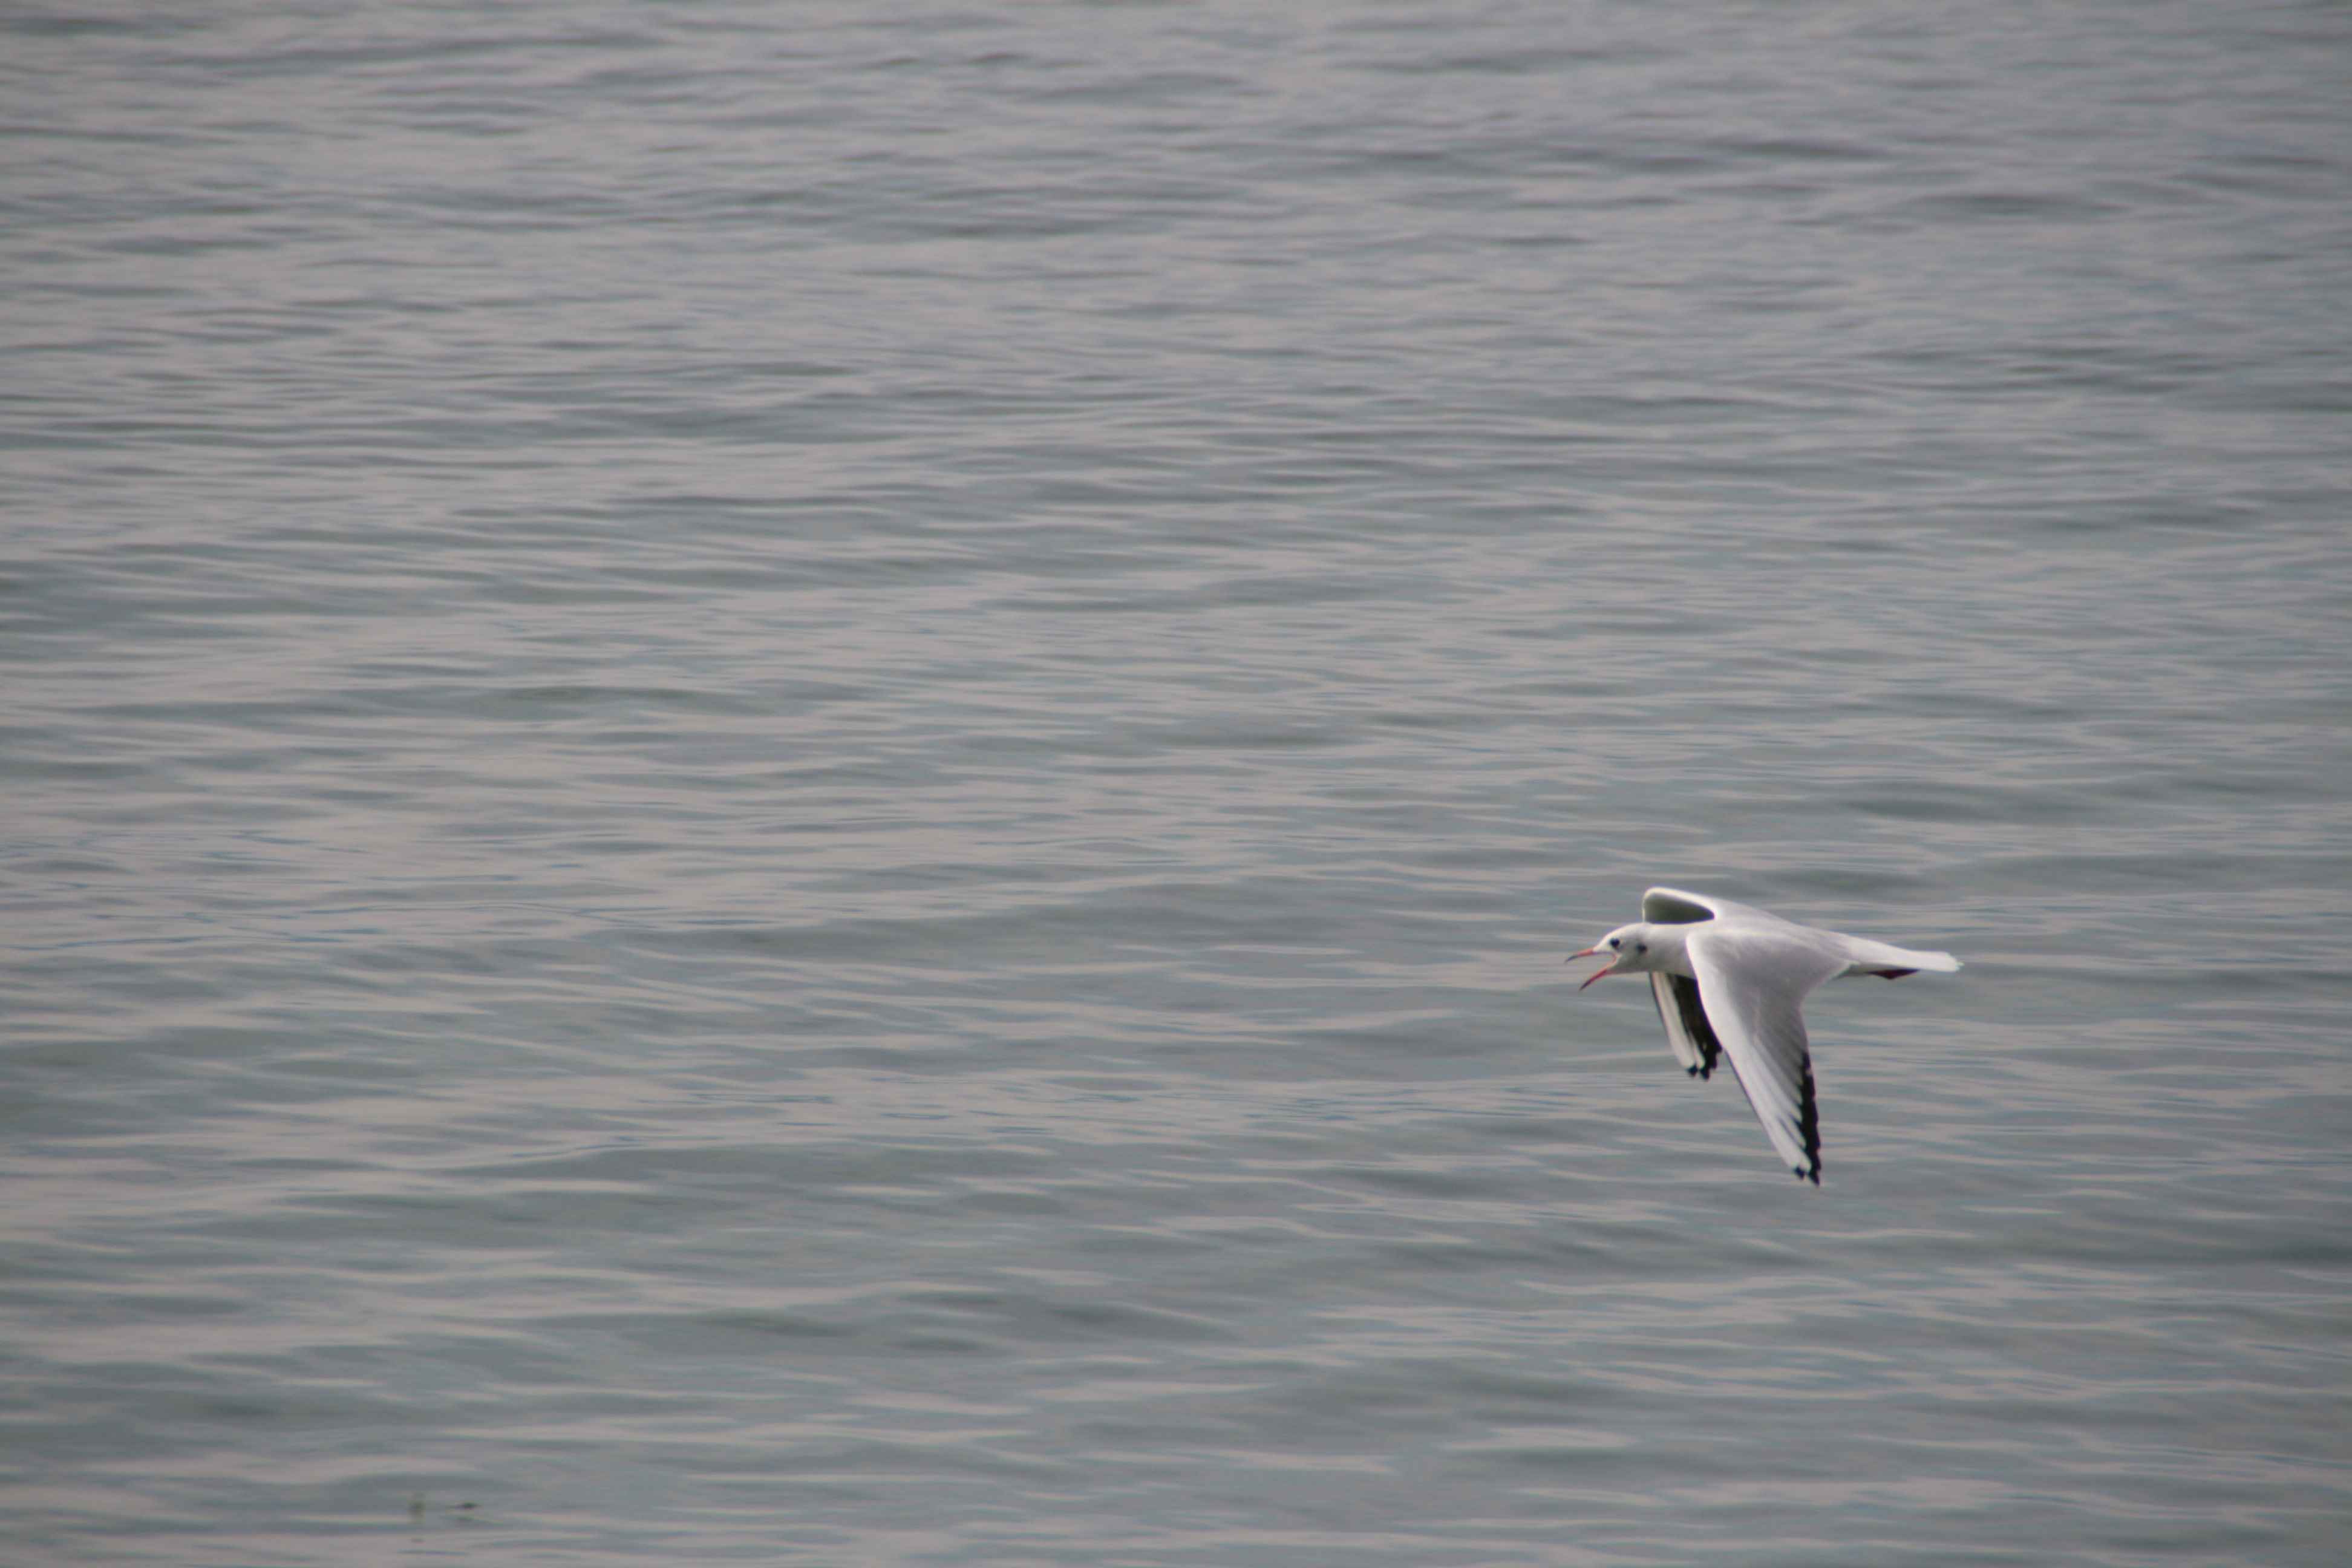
[
  {"x": 1687, "y": 1030},
  {"x": 1752, "y": 983},
  {"x": 1674, "y": 907}
]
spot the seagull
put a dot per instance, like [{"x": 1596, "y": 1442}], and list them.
[{"x": 1728, "y": 979}]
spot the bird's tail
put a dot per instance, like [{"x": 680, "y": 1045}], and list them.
[{"x": 1894, "y": 962}]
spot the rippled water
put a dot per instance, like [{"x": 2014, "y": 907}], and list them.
[{"x": 800, "y": 784}]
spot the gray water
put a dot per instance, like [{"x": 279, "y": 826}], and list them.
[{"x": 800, "y": 784}]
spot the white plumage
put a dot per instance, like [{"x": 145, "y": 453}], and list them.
[{"x": 1730, "y": 980}]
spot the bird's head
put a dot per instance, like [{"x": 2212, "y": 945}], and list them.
[{"x": 1628, "y": 948}]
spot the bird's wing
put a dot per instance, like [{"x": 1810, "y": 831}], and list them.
[
  {"x": 1674, "y": 907},
  {"x": 1687, "y": 1030},
  {"x": 1753, "y": 981}
]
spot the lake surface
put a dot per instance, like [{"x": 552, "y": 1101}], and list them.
[{"x": 802, "y": 783}]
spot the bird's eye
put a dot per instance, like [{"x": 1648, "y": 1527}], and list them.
[{"x": 1614, "y": 942}]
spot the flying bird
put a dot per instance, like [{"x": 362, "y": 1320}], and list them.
[{"x": 1728, "y": 980}]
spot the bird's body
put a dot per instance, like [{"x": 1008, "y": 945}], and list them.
[{"x": 1730, "y": 980}]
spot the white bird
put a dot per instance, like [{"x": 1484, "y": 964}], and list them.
[{"x": 1728, "y": 980}]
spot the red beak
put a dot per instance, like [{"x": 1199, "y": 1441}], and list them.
[{"x": 1597, "y": 974}]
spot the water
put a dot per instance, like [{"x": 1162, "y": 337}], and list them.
[{"x": 800, "y": 784}]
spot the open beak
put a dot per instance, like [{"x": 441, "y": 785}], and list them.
[{"x": 1592, "y": 952}]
